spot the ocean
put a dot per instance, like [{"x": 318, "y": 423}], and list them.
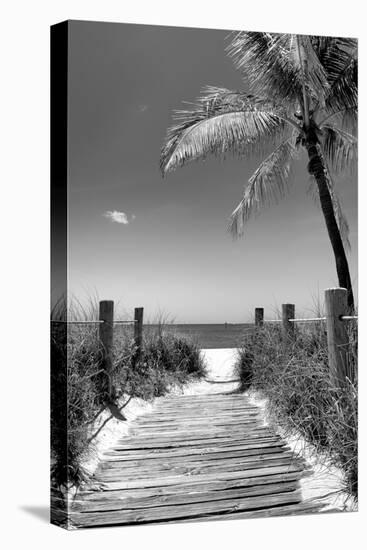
[
  {"x": 212, "y": 335},
  {"x": 207, "y": 336}
]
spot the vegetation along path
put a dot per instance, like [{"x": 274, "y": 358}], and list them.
[{"x": 203, "y": 456}]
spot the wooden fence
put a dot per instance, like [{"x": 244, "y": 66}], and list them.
[
  {"x": 337, "y": 314},
  {"x": 336, "y": 317},
  {"x": 106, "y": 329},
  {"x": 106, "y": 323}
]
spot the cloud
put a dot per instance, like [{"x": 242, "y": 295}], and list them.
[
  {"x": 116, "y": 216},
  {"x": 143, "y": 108}
]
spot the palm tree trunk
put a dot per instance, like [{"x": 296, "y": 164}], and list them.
[{"x": 317, "y": 169}]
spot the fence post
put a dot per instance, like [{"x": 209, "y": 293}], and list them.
[
  {"x": 259, "y": 316},
  {"x": 288, "y": 312},
  {"x": 138, "y": 332},
  {"x": 106, "y": 338},
  {"x": 336, "y": 305}
]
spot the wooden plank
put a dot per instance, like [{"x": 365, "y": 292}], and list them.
[
  {"x": 190, "y": 470},
  {"x": 180, "y": 457},
  {"x": 190, "y": 487},
  {"x": 214, "y": 427},
  {"x": 188, "y": 424},
  {"x": 249, "y": 433},
  {"x": 192, "y": 458},
  {"x": 194, "y": 448},
  {"x": 200, "y": 412},
  {"x": 197, "y": 433},
  {"x": 220, "y": 476},
  {"x": 133, "y": 503},
  {"x": 197, "y": 423},
  {"x": 287, "y": 510},
  {"x": 156, "y": 465},
  {"x": 184, "y": 452},
  {"x": 165, "y": 513},
  {"x": 175, "y": 443}
]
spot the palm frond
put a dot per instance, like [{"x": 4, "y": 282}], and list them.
[
  {"x": 340, "y": 148},
  {"x": 334, "y": 54},
  {"x": 310, "y": 69},
  {"x": 222, "y": 121},
  {"x": 268, "y": 183},
  {"x": 345, "y": 119},
  {"x": 344, "y": 90},
  {"x": 275, "y": 64},
  {"x": 340, "y": 61},
  {"x": 265, "y": 61}
]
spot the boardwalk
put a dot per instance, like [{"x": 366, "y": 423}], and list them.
[{"x": 194, "y": 457}]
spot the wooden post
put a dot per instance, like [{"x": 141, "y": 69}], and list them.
[
  {"x": 336, "y": 305},
  {"x": 138, "y": 332},
  {"x": 288, "y": 312},
  {"x": 106, "y": 338},
  {"x": 259, "y": 316}
]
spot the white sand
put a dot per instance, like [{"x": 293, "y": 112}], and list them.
[{"x": 325, "y": 485}]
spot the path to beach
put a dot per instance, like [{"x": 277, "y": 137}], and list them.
[{"x": 201, "y": 454}]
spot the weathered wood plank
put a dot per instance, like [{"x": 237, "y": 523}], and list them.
[
  {"x": 164, "y": 513},
  {"x": 204, "y": 460},
  {"x": 187, "y": 452},
  {"x": 180, "y": 457},
  {"x": 297, "y": 509},
  {"x": 198, "y": 424},
  {"x": 191, "y": 487},
  {"x": 189, "y": 470},
  {"x": 133, "y": 503},
  {"x": 192, "y": 458},
  {"x": 200, "y": 413},
  {"x": 145, "y": 443},
  {"x": 220, "y": 476}
]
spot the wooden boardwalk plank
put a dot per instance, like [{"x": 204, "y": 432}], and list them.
[
  {"x": 188, "y": 488},
  {"x": 183, "y": 511},
  {"x": 194, "y": 457},
  {"x": 288, "y": 510},
  {"x": 183, "y": 452},
  {"x": 134, "y": 502},
  {"x": 182, "y": 478},
  {"x": 151, "y": 459},
  {"x": 113, "y": 471}
]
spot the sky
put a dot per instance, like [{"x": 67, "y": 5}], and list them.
[{"x": 163, "y": 243}]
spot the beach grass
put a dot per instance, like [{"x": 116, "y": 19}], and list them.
[
  {"x": 78, "y": 392},
  {"x": 294, "y": 376}
]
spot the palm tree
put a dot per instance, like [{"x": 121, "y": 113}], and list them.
[{"x": 302, "y": 95}]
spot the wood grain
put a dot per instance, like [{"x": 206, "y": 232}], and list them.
[{"x": 194, "y": 458}]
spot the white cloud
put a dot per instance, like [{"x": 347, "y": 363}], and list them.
[
  {"x": 143, "y": 108},
  {"x": 116, "y": 216}
]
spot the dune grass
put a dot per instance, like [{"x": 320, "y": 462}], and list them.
[
  {"x": 294, "y": 376},
  {"x": 78, "y": 389}
]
